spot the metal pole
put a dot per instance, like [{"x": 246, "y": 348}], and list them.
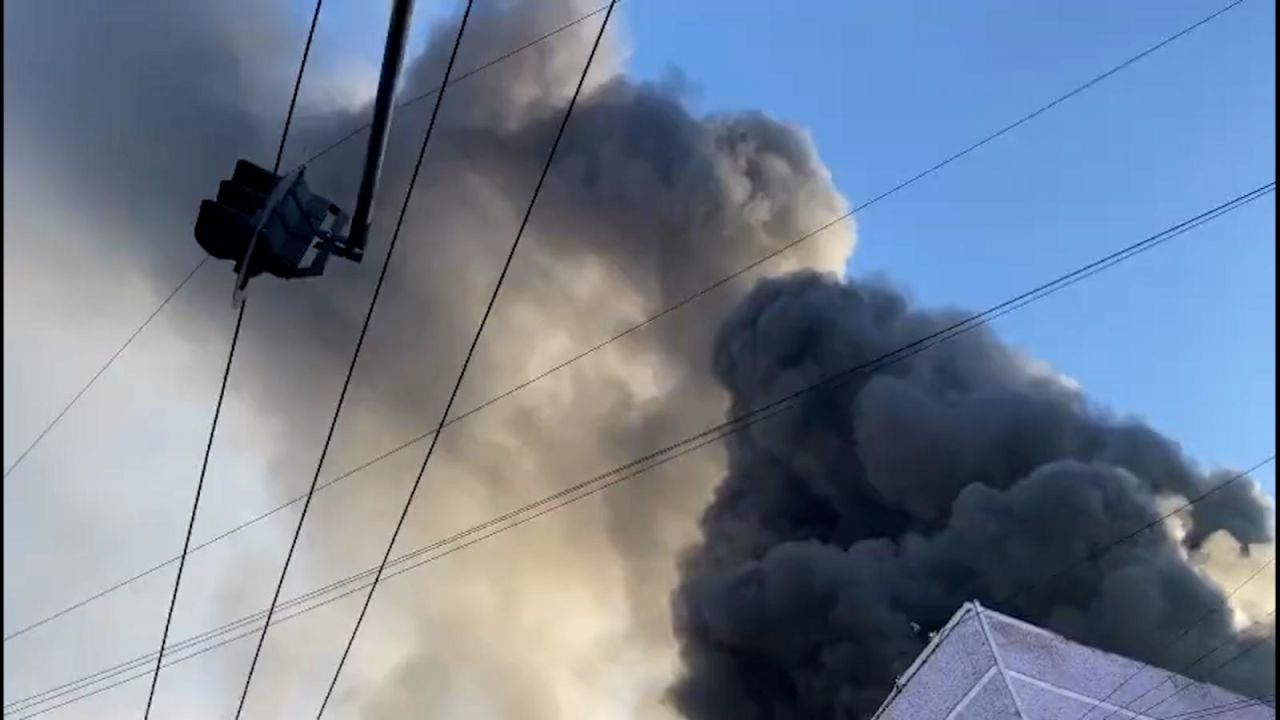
[{"x": 392, "y": 59}]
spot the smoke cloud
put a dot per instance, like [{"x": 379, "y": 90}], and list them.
[
  {"x": 824, "y": 532},
  {"x": 647, "y": 203},
  {"x": 848, "y": 529}
]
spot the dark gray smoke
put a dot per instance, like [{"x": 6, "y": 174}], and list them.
[{"x": 850, "y": 527}]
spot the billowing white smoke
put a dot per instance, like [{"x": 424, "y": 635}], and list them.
[{"x": 646, "y": 204}]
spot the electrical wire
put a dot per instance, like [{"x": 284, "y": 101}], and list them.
[
  {"x": 195, "y": 504},
  {"x": 1222, "y": 709},
  {"x": 739, "y": 422},
  {"x": 466, "y": 362},
  {"x": 226, "y": 375},
  {"x": 634, "y": 328},
  {"x": 1249, "y": 647},
  {"x": 331, "y": 147},
  {"x": 308, "y": 597},
  {"x": 1174, "y": 641},
  {"x": 252, "y": 620},
  {"x": 989, "y": 315},
  {"x": 110, "y": 361},
  {"x": 1090, "y": 83},
  {"x": 346, "y": 383},
  {"x": 423, "y": 96}
]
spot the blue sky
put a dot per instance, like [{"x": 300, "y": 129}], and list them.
[{"x": 1183, "y": 336}]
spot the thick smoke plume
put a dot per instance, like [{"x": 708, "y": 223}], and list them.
[
  {"x": 848, "y": 529},
  {"x": 831, "y": 531},
  {"x": 646, "y": 204}
]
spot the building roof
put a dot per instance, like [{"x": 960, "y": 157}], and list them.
[{"x": 987, "y": 666}]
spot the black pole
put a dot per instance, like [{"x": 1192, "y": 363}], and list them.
[{"x": 392, "y": 59}]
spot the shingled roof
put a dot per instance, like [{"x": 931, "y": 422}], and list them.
[{"x": 987, "y": 666}]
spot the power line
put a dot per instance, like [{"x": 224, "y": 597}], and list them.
[
  {"x": 1249, "y": 647},
  {"x": 400, "y": 7},
  {"x": 195, "y": 504},
  {"x": 1216, "y": 710},
  {"x": 634, "y": 328},
  {"x": 466, "y": 362},
  {"x": 333, "y": 146},
  {"x": 226, "y": 375},
  {"x": 423, "y": 96},
  {"x": 1169, "y": 645},
  {"x": 1085, "y": 86},
  {"x": 110, "y": 361},
  {"x": 1205, "y": 712},
  {"x": 941, "y": 336},
  {"x": 717, "y": 432},
  {"x": 253, "y": 619},
  {"x": 302, "y": 600}
]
